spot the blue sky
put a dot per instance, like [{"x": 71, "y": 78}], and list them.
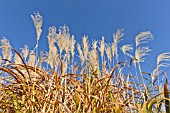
[{"x": 95, "y": 18}]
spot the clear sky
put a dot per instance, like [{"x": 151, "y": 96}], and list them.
[{"x": 95, "y": 18}]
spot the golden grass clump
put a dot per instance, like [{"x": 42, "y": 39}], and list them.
[{"x": 55, "y": 81}]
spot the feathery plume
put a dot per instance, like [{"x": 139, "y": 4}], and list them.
[
  {"x": 85, "y": 44},
  {"x": 25, "y": 51},
  {"x": 140, "y": 53},
  {"x": 17, "y": 59},
  {"x": 51, "y": 59},
  {"x": 108, "y": 52},
  {"x": 102, "y": 47},
  {"x": 113, "y": 49},
  {"x": 94, "y": 45},
  {"x": 52, "y": 33},
  {"x": 127, "y": 48},
  {"x": 60, "y": 42},
  {"x": 67, "y": 45},
  {"x": 31, "y": 61},
  {"x": 6, "y": 48},
  {"x": 93, "y": 56},
  {"x": 52, "y": 39},
  {"x": 64, "y": 30},
  {"x": 80, "y": 53},
  {"x": 72, "y": 44},
  {"x": 72, "y": 47},
  {"x": 117, "y": 38},
  {"x": 38, "y": 20},
  {"x": 61, "y": 37},
  {"x": 143, "y": 37},
  {"x": 10, "y": 56},
  {"x": 163, "y": 57}
]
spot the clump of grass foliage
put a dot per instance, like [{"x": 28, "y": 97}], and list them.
[{"x": 89, "y": 79}]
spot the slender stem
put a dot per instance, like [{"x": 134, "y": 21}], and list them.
[
  {"x": 140, "y": 70},
  {"x": 72, "y": 63},
  {"x": 143, "y": 82}
]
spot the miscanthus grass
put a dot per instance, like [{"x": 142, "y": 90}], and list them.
[{"x": 82, "y": 77}]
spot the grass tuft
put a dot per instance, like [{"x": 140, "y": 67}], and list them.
[{"x": 59, "y": 81}]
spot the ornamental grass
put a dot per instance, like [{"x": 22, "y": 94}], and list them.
[{"x": 87, "y": 79}]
